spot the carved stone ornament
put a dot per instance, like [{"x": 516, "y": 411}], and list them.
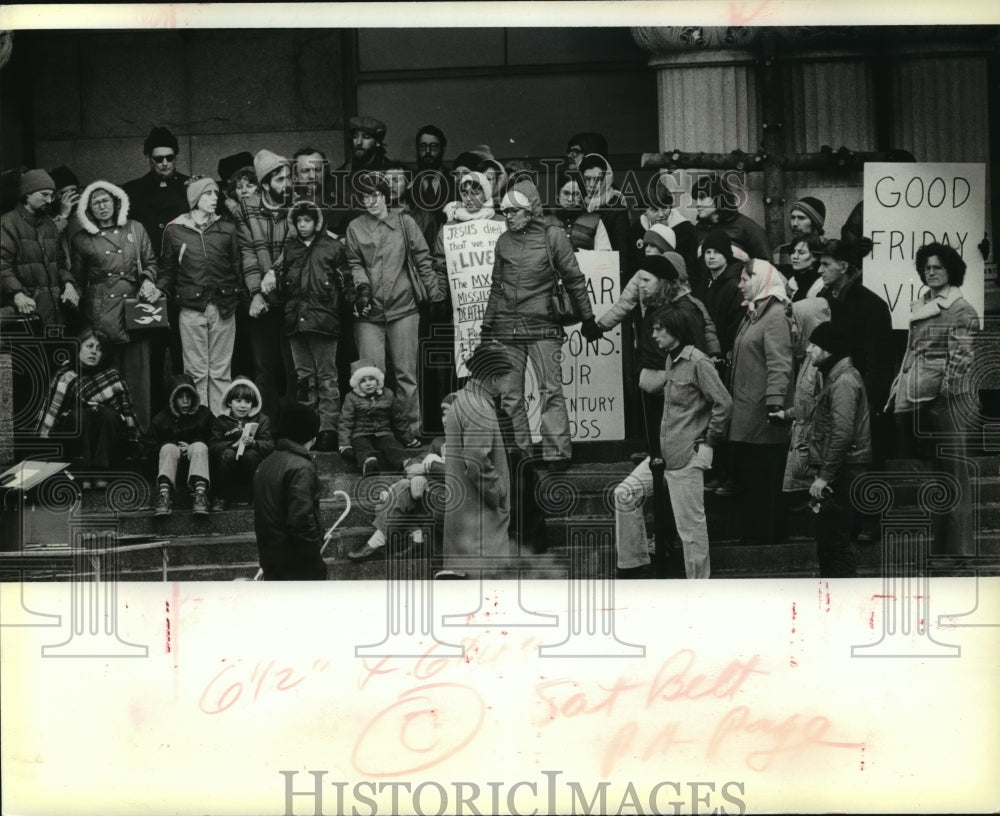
[{"x": 673, "y": 39}]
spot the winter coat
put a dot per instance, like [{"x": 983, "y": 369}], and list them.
[
  {"x": 31, "y": 262},
  {"x": 378, "y": 253},
  {"x": 696, "y": 407},
  {"x": 745, "y": 232},
  {"x": 314, "y": 281},
  {"x": 585, "y": 230},
  {"x": 227, "y": 429},
  {"x": 524, "y": 268},
  {"x": 762, "y": 373},
  {"x": 110, "y": 264},
  {"x": 261, "y": 231},
  {"x": 156, "y": 202},
  {"x": 171, "y": 426},
  {"x": 841, "y": 426},
  {"x": 380, "y": 414},
  {"x": 939, "y": 351},
  {"x": 286, "y": 519},
  {"x": 868, "y": 322},
  {"x": 724, "y": 302},
  {"x": 199, "y": 266},
  {"x": 478, "y": 516}
]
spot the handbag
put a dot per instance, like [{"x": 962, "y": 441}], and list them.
[
  {"x": 419, "y": 289},
  {"x": 562, "y": 306}
]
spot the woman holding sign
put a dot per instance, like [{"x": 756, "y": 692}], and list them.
[
  {"x": 527, "y": 259},
  {"x": 932, "y": 395}
]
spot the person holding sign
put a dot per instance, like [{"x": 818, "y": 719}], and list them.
[
  {"x": 931, "y": 395},
  {"x": 527, "y": 259}
]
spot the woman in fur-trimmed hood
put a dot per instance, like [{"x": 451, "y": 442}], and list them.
[{"x": 112, "y": 259}]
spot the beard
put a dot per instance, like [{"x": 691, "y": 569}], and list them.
[{"x": 426, "y": 162}]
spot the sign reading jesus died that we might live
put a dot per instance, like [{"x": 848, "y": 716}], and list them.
[{"x": 909, "y": 205}]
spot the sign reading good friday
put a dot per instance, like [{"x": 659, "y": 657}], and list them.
[{"x": 912, "y": 204}]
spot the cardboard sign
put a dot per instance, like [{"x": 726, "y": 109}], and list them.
[
  {"x": 591, "y": 372},
  {"x": 909, "y": 205},
  {"x": 468, "y": 252}
]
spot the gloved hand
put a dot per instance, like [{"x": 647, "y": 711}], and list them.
[{"x": 590, "y": 330}]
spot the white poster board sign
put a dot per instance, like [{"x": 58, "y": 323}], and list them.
[
  {"x": 591, "y": 372},
  {"x": 908, "y": 205},
  {"x": 468, "y": 252}
]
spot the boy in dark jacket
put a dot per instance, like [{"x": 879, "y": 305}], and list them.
[
  {"x": 181, "y": 431},
  {"x": 241, "y": 438},
  {"x": 286, "y": 494},
  {"x": 313, "y": 280},
  {"x": 372, "y": 422}
]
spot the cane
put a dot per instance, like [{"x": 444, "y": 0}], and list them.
[
  {"x": 662, "y": 554},
  {"x": 329, "y": 533}
]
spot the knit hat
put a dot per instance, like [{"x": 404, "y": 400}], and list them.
[
  {"x": 197, "y": 188},
  {"x": 298, "y": 423},
  {"x": 160, "y": 137},
  {"x": 229, "y": 165},
  {"x": 660, "y": 236},
  {"x": 366, "y": 368},
  {"x": 369, "y": 125},
  {"x": 814, "y": 210},
  {"x": 266, "y": 162},
  {"x": 515, "y": 199},
  {"x": 678, "y": 264},
  {"x": 831, "y": 337},
  {"x": 660, "y": 266},
  {"x": 720, "y": 241},
  {"x": 35, "y": 180},
  {"x": 64, "y": 177},
  {"x": 488, "y": 358}
]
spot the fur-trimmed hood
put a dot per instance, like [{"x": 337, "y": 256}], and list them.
[
  {"x": 83, "y": 206},
  {"x": 255, "y": 411},
  {"x": 366, "y": 368},
  {"x": 304, "y": 204}
]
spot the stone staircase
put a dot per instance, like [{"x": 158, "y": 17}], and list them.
[{"x": 222, "y": 546}]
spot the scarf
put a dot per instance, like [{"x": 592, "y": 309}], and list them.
[
  {"x": 70, "y": 390},
  {"x": 765, "y": 282}
]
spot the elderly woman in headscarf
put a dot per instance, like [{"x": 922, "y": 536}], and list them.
[
  {"x": 763, "y": 367},
  {"x": 112, "y": 259},
  {"x": 526, "y": 261}
]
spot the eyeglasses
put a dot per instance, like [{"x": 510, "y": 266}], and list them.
[
  {"x": 509, "y": 212},
  {"x": 164, "y": 159},
  {"x": 429, "y": 147}
]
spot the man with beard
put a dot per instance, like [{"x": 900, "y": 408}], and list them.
[
  {"x": 431, "y": 188},
  {"x": 806, "y": 217},
  {"x": 261, "y": 225},
  {"x": 155, "y": 200},
  {"x": 367, "y": 153}
]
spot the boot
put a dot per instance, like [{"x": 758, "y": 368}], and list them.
[
  {"x": 200, "y": 504},
  {"x": 165, "y": 503}
]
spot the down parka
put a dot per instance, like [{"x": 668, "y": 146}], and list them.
[
  {"x": 380, "y": 414},
  {"x": 31, "y": 262},
  {"x": 201, "y": 265},
  {"x": 523, "y": 278},
  {"x": 314, "y": 281}
]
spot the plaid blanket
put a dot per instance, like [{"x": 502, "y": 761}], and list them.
[{"x": 70, "y": 390}]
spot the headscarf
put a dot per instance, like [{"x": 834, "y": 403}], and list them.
[
  {"x": 484, "y": 213},
  {"x": 765, "y": 282},
  {"x": 604, "y": 194}
]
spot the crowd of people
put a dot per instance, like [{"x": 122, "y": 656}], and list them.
[{"x": 294, "y": 300}]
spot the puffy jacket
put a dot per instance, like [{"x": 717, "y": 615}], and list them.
[
  {"x": 106, "y": 263},
  {"x": 524, "y": 267},
  {"x": 199, "y": 266},
  {"x": 651, "y": 355},
  {"x": 227, "y": 429},
  {"x": 286, "y": 517},
  {"x": 31, "y": 262},
  {"x": 170, "y": 425},
  {"x": 841, "y": 426},
  {"x": 380, "y": 414},
  {"x": 314, "y": 281}
]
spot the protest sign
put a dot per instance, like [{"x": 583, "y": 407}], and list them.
[
  {"x": 912, "y": 204},
  {"x": 468, "y": 252}
]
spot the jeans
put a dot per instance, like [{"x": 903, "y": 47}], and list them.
[
  {"x": 207, "y": 341},
  {"x": 315, "y": 357},
  {"x": 546, "y": 359},
  {"x": 399, "y": 341},
  {"x": 686, "y": 486},
  {"x": 170, "y": 457}
]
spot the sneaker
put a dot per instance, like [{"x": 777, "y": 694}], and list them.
[
  {"x": 366, "y": 553},
  {"x": 218, "y": 505},
  {"x": 370, "y": 467},
  {"x": 200, "y": 504},
  {"x": 728, "y": 488},
  {"x": 164, "y": 504}
]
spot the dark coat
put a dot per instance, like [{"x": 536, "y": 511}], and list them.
[
  {"x": 724, "y": 302},
  {"x": 171, "y": 426},
  {"x": 31, "y": 262},
  {"x": 286, "y": 491},
  {"x": 741, "y": 230},
  {"x": 227, "y": 429},
  {"x": 201, "y": 266},
  {"x": 381, "y": 414},
  {"x": 156, "y": 203}
]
